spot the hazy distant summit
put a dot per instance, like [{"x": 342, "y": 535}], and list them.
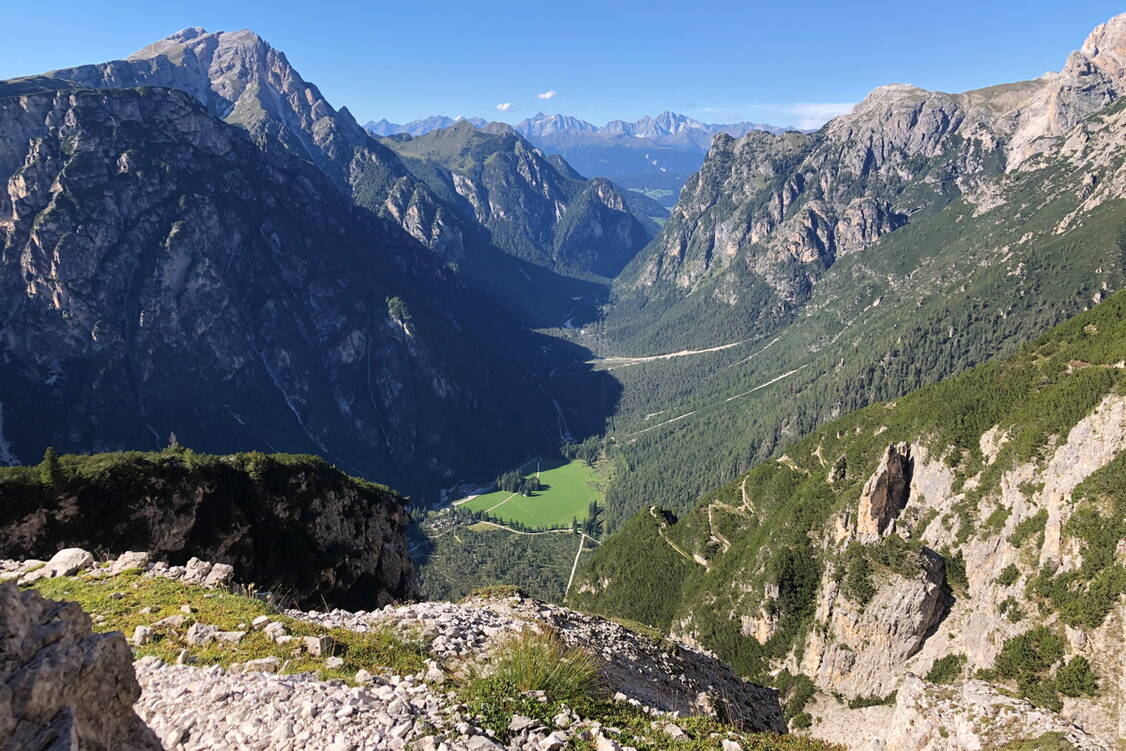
[{"x": 653, "y": 155}]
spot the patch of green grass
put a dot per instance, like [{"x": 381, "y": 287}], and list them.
[
  {"x": 566, "y": 494},
  {"x": 119, "y": 600},
  {"x": 1008, "y": 575},
  {"x": 861, "y": 702},
  {"x": 1033, "y": 525},
  {"x": 1047, "y": 742},
  {"x": 1075, "y": 678},
  {"x": 496, "y": 592},
  {"x": 570, "y": 678},
  {"x": 946, "y": 669},
  {"x": 541, "y": 662}
]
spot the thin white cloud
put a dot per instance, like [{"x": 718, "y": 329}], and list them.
[
  {"x": 504, "y": 106},
  {"x": 803, "y": 115},
  {"x": 815, "y": 114},
  {"x": 547, "y": 94}
]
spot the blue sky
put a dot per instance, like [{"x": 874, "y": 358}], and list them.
[{"x": 788, "y": 63}]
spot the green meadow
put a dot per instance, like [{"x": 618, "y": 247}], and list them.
[{"x": 567, "y": 488}]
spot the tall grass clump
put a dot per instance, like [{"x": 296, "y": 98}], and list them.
[
  {"x": 532, "y": 674},
  {"x": 542, "y": 662}
]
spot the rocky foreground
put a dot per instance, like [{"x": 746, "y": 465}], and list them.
[{"x": 289, "y": 679}]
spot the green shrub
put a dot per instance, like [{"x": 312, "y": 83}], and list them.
[
  {"x": 1008, "y": 575},
  {"x": 1046, "y": 742},
  {"x": 956, "y": 573},
  {"x": 49, "y": 471},
  {"x": 872, "y": 701},
  {"x": 1026, "y": 660},
  {"x": 1081, "y": 602},
  {"x": 946, "y": 669},
  {"x": 1011, "y": 609},
  {"x": 857, "y": 584},
  {"x": 1033, "y": 525},
  {"x": 1041, "y": 692},
  {"x": 794, "y": 692},
  {"x": 861, "y": 561},
  {"x": 1033, "y": 652},
  {"x": 997, "y": 519},
  {"x": 1075, "y": 678}
]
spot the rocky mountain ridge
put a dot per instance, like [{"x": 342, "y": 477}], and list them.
[
  {"x": 244, "y": 81},
  {"x": 167, "y": 270},
  {"x": 970, "y": 529},
  {"x": 797, "y": 322},
  {"x": 537, "y": 209},
  {"x": 788, "y": 205},
  {"x": 385, "y": 127}
]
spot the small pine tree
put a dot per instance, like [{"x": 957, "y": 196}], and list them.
[{"x": 50, "y": 473}]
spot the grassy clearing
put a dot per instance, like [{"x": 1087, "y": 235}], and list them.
[
  {"x": 566, "y": 493},
  {"x": 119, "y": 601}
]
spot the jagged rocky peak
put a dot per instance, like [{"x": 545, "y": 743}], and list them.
[
  {"x": 251, "y": 79},
  {"x": 885, "y": 494},
  {"x": 1106, "y": 46}
]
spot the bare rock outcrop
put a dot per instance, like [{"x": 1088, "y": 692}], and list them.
[
  {"x": 971, "y": 715},
  {"x": 663, "y": 675},
  {"x": 63, "y": 687},
  {"x": 885, "y": 494},
  {"x": 861, "y": 648}
]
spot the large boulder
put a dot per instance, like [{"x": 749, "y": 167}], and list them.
[{"x": 63, "y": 687}]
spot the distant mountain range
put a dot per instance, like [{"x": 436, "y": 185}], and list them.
[
  {"x": 419, "y": 127},
  {"x": 652, "y": 155}
]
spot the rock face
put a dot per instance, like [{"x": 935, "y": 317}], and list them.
[
  {"x": 62, "y": 686},
  {"x": 531, "y": 207},
  {"x": 885, "y": 493},
  {"x": 970, "y": 715},
  {"x": 860, "y": 651},
  {"x": 305, "y": 531},
  {"x": 244, "y": 81},
  {"x": 166, "y": 274},
  {"x": 241, "y": 79},
  {"x": 786, "y": 206}
]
